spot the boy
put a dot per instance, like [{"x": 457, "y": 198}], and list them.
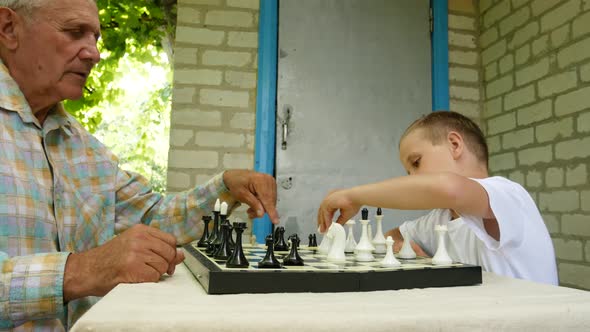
[{"x": 492, "y": 221}]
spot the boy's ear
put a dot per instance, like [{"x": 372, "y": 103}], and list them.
[
  {"x": 8, "y": 22},
  {"x": 456, "y": 144}
]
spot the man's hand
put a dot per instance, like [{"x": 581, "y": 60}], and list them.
[
  {"x": 140, "y": 254},
  {"x": 336, "y": 201},
  {"x": 258, "y": 190}
]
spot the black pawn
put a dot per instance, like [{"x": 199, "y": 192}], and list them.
[
  {"x": 237, "y": 258},
  {"x": 312, "y": 241},
  {"x": 293, "y": 257},
  {"x": 215, "y": 234},
  {"x": 379, "y": 212},
  {"x": 224, "y": 221},
  {"x": 365, "y": 214},
  {"x": 203, "y": 241},
  {"x": 269, "y": 261},
  {"x": 292, "y": 236},
  {"x": 281, "y": 245},
  {"x": 224, "y": 250}
]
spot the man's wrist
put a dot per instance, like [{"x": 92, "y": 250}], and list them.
[{"x": 75, "y": 278}]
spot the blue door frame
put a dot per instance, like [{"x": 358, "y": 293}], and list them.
[{"x": 264, "y": 150}]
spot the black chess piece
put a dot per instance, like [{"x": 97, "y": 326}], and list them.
[
  {"x": 224, "y": 250},
  {"x": 276, "y": 234},
  {"x": 237, "y": 258},
  {"x": 281, "y": 245},
  {"x": 290, "y": 238},
  {"x": 203, "y": 241},
  {"x": 365, "y": 214},
  {"x": 215, "y": 233},
  {"x": 224, "y": 221},
  {"x": 379, "y": 212},
  {"x": 293, "y": 258},
  {"x": 312, "y": 241},
  {"x": 269, "y": 261}
]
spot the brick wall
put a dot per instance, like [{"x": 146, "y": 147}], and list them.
[
  {"x": 213, "y": 108},
  {"x": 465, "y": 88},
  {"x": 536, "y": 61}
]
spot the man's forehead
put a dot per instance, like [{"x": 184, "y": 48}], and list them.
[{"x": 71, "y": 10}]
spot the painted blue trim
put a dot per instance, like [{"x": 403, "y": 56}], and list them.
[
  {"x": 264, "y": 150},
  {"x": 440, "y": 56}
]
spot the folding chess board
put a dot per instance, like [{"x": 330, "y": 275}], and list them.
[{"x": 319, "y": 275}]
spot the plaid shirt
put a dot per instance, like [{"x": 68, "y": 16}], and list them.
[{"x": 62, "y": 191}]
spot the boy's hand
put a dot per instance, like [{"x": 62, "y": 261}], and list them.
[{"x": 337, "y": 200}]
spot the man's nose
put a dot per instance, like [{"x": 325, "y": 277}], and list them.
[{"x": 90, "y": 53}]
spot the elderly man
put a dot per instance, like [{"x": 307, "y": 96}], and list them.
[{"x": 63, "y": 196}]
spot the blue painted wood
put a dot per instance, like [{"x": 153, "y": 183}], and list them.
[
  {"x": 264, "y": 150},
  {"x": 440, "y": 56}
]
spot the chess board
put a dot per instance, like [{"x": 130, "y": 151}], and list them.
[{"x": 319, "y": 275}]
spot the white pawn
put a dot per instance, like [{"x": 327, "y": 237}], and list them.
[
  {"x": 364, "y": 248},
  {"x": 379, "y": 239},
  {"x": 406, "y": 251},
  {"x": 326, "y": 244},
  {"x": 370, "y": 235},
  {"x": 389, "y": 260},
  {"x": 337, "y": 235},
  {"x": 350, "y": 241},
  {"x": 441, "y": 257}
]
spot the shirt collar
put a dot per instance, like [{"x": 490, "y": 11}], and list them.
[{"x": 13, "y": 99}]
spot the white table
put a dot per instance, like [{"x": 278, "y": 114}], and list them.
[{"x": 179, "y": 303}]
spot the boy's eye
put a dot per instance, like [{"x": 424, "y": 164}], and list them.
[{"x": 416, "y": 163}]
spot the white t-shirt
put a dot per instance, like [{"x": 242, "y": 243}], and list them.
[{"x": 525, "y": 249}]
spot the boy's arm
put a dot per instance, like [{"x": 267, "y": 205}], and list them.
[{"x": 415, "y": 192}]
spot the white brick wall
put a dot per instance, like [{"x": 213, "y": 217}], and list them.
[{"x": 537, "y": 110}]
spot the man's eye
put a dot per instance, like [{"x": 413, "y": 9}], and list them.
[{"x": 77, "y": 34}]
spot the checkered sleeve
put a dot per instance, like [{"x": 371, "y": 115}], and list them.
[
  {"x": 31, "y": 288},
  {"x": 178, "y": 214}
]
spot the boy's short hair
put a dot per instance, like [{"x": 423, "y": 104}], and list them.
[{"x": 440, "y": 123}]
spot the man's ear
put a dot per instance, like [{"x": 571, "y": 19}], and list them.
[
  {"x": 456, "y": 144},
  {"x": 8, "y": 23}
]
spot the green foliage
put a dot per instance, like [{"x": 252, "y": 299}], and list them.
[
  {"x": 126, "y": 103},
  {"x": 127, "y": 27}
]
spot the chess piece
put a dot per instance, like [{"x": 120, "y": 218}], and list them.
[
  {"x": 281, "y": 245},
  {"x": 370, "y": 235},
  {"x": 441, "y": 257},
  {"x": 326, "y": 244},
  {"x": 338, "y": 237},
  {"x": 350, "y": 241},
  {"x": 215, "y": 233},
  {"x": 293, "y": 258},
  {"x": 379, "y": 239},
  {"x": 203, "y": 241},
  {"x": 237, "y": 258},
  {"x": 289, "y": 239},
  {"x": 389, "y": 260},
  {"x": 276, "y": 235},
  {"x": 315, "y": 241},
  {"x": 269, "y": 261},
  {"x": 223, "y": 220},
  {"x": 364, "y": 248},
  {"x": 224, "y": 250},
  {"x": 310, "y": 244},
  {"x": 406, "y": 252}
]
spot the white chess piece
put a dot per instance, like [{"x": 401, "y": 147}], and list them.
[
  {"x": 379, "y": 239},
  {"x": 389, "y": 260},
  {"x": 350, "y": 241},
  {"x": 406, "y": 251},
  {"x": 364, "y": 247},
  {"x": 338, "y": 237},
  {"x": 441, "y": 257},
  {"x": 217, "y": 206},
  {"x": 224, "y": 209},
  {"x": 326, "y": 244},
  {"x": 370, "y": 236}
]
